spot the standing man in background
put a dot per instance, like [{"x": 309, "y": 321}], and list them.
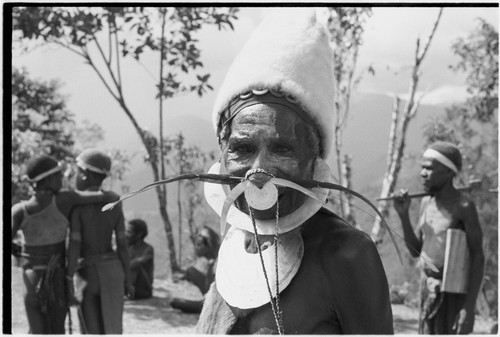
[
  {"x": 105, "y": 271},
  {"x": 445, "y": 208}
]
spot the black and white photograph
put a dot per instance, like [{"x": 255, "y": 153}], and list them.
[{"x": 250, "y": 168}]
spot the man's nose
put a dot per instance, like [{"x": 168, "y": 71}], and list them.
[
  {"x": 259, "y": 179},
  {"x": 265, "y": 170}
]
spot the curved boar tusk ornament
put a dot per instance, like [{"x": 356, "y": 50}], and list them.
[
  {"x": 230, "y": 199},
  {"x": 242, "y": 185}
]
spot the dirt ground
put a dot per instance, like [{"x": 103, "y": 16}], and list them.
[{"x": 156, "y": 316}]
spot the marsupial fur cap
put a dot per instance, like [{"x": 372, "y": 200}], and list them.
[{"x": 289, "y": 53}]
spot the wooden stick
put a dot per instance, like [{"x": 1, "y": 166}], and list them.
[
  {"x": 424, "y": 194},
  {"x": 411, "y": 196}
]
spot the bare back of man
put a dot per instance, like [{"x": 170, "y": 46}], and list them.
[
  {"x": 98, "y": 229},
  {"x": 101, "y": 267},
  {"x": 326, "y": 296}
]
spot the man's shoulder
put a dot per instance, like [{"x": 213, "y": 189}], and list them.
[
  {"x": 334, "y": 235},
  {"x": 330, "y": 224},
  {"x": 337, "y": 245}
]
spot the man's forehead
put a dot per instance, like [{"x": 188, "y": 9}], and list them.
[
  {"x": 263, "y": 114},
  {"x": 428, "y": 161}
]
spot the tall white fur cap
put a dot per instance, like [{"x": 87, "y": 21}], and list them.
[{"x": 289, "y": 51}]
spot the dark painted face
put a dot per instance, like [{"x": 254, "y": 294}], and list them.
[
  {"x": 131, "y": 234},
  {"x": 272, "y": 138},
  {"x": 434, "y": 175}
]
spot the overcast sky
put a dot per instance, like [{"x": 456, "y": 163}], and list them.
[{"x": 389, "y": 46}]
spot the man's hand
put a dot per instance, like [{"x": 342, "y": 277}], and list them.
[
  {"x": 129, "y": 290},
  {"x": 16, "y": 249},
  {"x": 402, "y": 201},
  {"x": 464, "y": 322},
  {"x": 178, "y": 276}
]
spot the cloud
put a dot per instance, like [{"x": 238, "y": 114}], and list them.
[{"x": 444, "y": 95}]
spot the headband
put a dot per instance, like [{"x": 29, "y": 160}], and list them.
[
  {"x": 261, "y": 96},
  {"x": 85, "y": 166},
  {"x": 45, "y": 174},
  {"x": 431, "y": 153}
]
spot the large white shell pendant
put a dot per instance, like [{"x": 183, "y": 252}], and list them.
[{"x": 261, "y": 198}]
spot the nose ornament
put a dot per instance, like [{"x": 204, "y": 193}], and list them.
[
  {"x": 261, "y": 194},
  {"x": 260, "y": 198}
]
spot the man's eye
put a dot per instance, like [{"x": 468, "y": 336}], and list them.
[
  {"x": 282, "y": 149},
  {"x": 241, "y": 148}
]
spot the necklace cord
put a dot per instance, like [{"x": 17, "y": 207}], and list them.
[{"x": 278, "y": 315}]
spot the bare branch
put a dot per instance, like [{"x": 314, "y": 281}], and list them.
[
  {"x": 118, "y": 68},
  {"x": 392, "y": 132},
  {"x": 89, "y": 60},
  {"x": 68, "y": 47},
  {"x": 429, "y": 39},
  {"x": 108, "y": 65}
]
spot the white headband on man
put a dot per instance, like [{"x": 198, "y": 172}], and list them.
[
  {"x": 431, "y": 153},
  {"x": 45, "y": 174},
  {"x": 85, "y": 166}
]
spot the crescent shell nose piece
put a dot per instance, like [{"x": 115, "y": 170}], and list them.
[
  {"x": 259, "y": 177},
  {"x": 261, "y": 198}
]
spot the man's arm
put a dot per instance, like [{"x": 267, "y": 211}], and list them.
[
  {"x": 146, "y": 256},
  {"x": 16, "y": 220},
  {"x": 475, "y": 244},
  {"x": 75, "y": 242},
  {"x": 402, "y": 205},
  {"x": 121, "y": 247},
  {"x": 361, "y": 292},
  {"x": 66, "y": 200}
]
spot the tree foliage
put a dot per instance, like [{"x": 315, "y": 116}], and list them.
[
  {"x": 104, "y": 36},
  {"x": 41, "y": 123},
  {"x": 479, "y": 60}
]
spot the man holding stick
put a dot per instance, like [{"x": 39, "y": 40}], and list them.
[{"x": 443, "y": 209}]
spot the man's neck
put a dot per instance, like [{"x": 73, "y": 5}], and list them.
[{"x": 447, "y": 193}]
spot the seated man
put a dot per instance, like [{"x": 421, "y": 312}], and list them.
[
  {"x": 141, "y": 258},
  {"x": 202, "y": 272}
]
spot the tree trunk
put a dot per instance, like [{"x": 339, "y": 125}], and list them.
[
  {"x": 179, "y": 208},
  {"x": 349, "y": 215},
  {"x": 399, "y": 126},
  {"x": 338, "y": 151}
]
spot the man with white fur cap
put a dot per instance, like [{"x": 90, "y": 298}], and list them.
[
  {"x": 286, "y": 265},
  {"x": 446, "y": 208}
]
